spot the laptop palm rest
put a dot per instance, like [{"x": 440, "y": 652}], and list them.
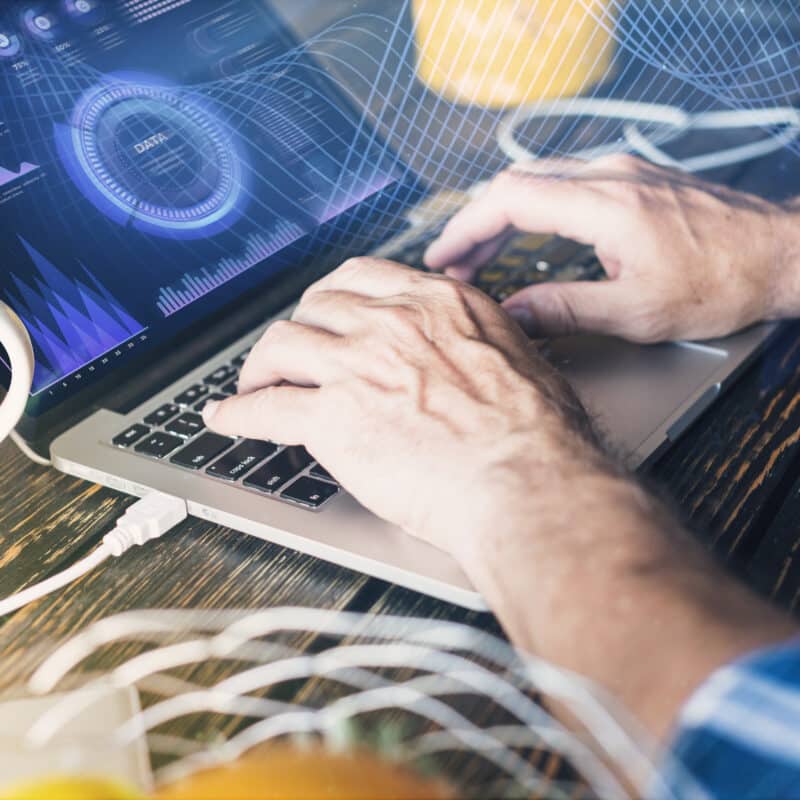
[{"x": 634, "y": 391}]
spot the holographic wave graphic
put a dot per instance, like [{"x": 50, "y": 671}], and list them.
[{"x": 71, "y": 322}]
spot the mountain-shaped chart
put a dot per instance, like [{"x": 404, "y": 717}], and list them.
[
  {"x": 8, "y": 176},
  {"x": 72, "y": 318}
]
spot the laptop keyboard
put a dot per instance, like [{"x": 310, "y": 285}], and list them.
[
  {"x": 526, "y": 260},
  {"x": 175, "y": 432}
]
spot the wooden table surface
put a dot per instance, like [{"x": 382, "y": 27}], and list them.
[{"x": 735, "y": 475}]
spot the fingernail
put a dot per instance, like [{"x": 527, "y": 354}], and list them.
[
  {"x": 210, "y": 410},
  {"x": 523, "y": 316},
  {"x": 431, "y": 255}
]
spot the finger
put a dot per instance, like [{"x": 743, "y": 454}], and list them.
[
  {"x": 574, "y": 209},
  {"x": 285, "y": 414},
  {"x": 480, "y": 255},
  {"x": 292, "y": 353},
  {"x": 563, "y": 309},
  {"x": 337, "y": 312}
]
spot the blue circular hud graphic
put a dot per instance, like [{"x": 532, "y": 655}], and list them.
[{"x": 158, "y": 160}]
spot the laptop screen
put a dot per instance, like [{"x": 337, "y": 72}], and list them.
[{"x": 158, "y": 160}]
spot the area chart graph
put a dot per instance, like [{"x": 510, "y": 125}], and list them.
[{"x": 72, "y": 321}]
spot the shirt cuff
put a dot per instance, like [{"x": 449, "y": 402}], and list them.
[{"x": 738, "y": 736}]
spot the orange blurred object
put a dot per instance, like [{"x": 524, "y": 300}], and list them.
[
  {"x": 281, "y": 772},
  {"x": 500, "y": 53}
]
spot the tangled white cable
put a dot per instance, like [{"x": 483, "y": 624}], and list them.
[{"x": 671, "y": 123}]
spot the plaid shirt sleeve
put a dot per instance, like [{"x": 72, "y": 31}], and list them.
[{"x": 738, "y": 737}]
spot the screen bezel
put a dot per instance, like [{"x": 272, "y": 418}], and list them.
[{"x": 125, "y": 386}]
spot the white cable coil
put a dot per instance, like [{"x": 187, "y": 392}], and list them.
[{"x": 672, "y": 121}]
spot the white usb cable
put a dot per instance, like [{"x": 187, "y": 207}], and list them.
[{"x": 147, "y": 519}]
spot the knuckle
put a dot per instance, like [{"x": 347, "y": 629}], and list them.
[
  {"x": 510, "y": 176},
  {"x": 354, "y": 266},
  {"x": 621, "y": 162},
  {"x": 279, "y": 330},
  {"x": 449, "y": 290}
]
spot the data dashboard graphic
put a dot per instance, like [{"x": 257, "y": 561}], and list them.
[
  {"x": 193, "y": 286},
  {"x": 41, "y": 23},
  {"x": 9, "y": 44},
  {"x": 72, "y": 318},
  {"x": 149, "y": 156},
  {"x": 85, "y": 12},
  {"x": 9, "y": 176}
]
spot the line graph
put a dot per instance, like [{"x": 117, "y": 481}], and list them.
[{"x": 72, "y": 321}]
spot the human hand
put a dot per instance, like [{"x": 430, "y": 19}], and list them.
[
  {"x": 686, "y": 259},
  {"x": 423, "y": 398}
]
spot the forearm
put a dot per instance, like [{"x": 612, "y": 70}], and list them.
[
  {"x": 786, "y": 299},
  {"x": 593, "y": 574}
]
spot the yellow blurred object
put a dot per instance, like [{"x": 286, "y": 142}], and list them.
[
  {"x": 70, "y": 789},
  {"x": 286, "y": 773},
  {"x": 500, "y": 53}
]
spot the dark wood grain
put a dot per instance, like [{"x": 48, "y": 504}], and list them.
[{"x": 48, "y": 520}]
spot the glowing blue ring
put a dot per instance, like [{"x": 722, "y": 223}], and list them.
[{"x": 221, "y": 199}]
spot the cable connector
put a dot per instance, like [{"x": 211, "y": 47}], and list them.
[{"x": 148, "y": 519}]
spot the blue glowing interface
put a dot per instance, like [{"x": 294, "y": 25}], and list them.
[{"x": 155, "y": 160}]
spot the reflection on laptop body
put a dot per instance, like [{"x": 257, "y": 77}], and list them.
[{"x": 170, "y": 182}]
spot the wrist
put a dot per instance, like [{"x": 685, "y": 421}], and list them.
[
  {"x": 533, "y": 496},
  {"x": 597, "y": 577},
  {"x": 785, "y": 300}
]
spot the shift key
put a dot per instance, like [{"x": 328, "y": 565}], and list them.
[{"x": 275, "y": 473}]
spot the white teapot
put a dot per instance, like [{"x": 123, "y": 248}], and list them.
[{"x": 14, "y": 338}]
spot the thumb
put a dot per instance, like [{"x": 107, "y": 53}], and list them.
[{"x": 563, "y": 309}]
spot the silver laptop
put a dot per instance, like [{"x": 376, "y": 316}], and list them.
[{"x": 172, "y": 176}]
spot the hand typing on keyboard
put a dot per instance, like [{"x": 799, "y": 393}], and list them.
[
  {"x": 686, "y": 259},
  {"x": 431, "y": 406},
  {"x": 396, "y": 386}
]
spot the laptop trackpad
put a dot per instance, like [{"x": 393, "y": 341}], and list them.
[{"x": 631, "y": 389}]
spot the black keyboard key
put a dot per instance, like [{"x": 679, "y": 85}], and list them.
[
  {"x": 275, "y": 473},
  {"x": 231, "y": 388},
  {"x": 310, "y": 492},
  {"x": 202, "y": 451},
  {"x": 163, "y": 414},
  {"x": 192, "y": 395},
  {"x": 240, "y": 359},
  {"x": 159, "y": 445},
  {"x": 221, "y": 375},
  {"x": 319, "y": 471},
  {"x": 131, "y": 436},
  {"x": 212, "y": 397},
  {"x": 241, "y": 460},
  {"x": 187, "y": 425}
]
